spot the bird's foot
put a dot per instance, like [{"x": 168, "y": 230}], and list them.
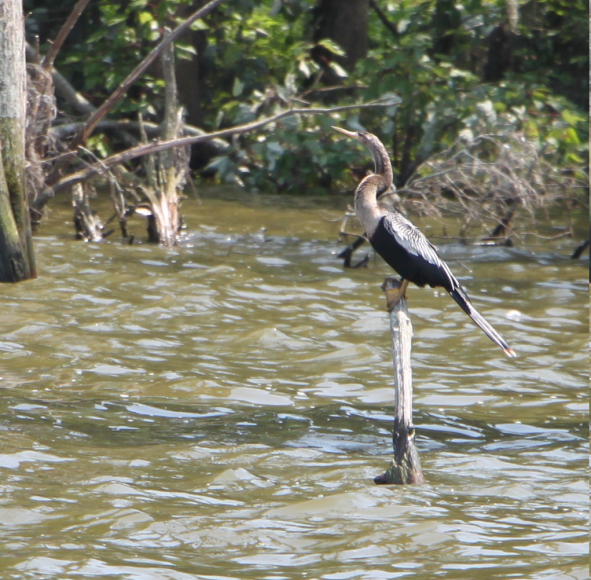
[
  {"x": 395, "y": 291},
  {"x": 393, "y": 297}
]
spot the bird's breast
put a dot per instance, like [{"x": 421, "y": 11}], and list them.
[{"x": 368, "y": 212}]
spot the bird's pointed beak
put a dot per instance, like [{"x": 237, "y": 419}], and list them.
[{"x": 351, "y": 134}]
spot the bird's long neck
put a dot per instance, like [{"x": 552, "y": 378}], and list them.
[
  {"x": 367, "y": 208},
  {"x": 383, "y": 167}
]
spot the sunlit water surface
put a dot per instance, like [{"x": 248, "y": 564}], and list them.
[{"x": 219, "y": 411}]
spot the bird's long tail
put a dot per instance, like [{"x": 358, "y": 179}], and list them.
[{"x": 461, "y": 298}]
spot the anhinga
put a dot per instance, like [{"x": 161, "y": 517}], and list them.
[{"x": 400, "y": 243}]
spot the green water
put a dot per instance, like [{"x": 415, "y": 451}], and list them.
[{"x": 219, "y": 411}]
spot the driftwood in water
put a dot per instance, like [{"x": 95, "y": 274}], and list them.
[
  {"x": 406, "y": 466},
  {"x": 87, "y": 224},
  {"x": 347, "y": 253},
  {"x": 104, "y": 165},
  {"x": 579, "y": 250}
]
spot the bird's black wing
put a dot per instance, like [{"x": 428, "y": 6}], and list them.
[
  {"x": 430, "y": 268},
  {"x": 423, "y": 262}
]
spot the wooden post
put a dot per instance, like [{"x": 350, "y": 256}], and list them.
[
  {"x": 171, "y": 177},
  {"x": 165, "y": 173},
  {"x": 17, "y": 260},
  {"x": 406, "y": 466}
]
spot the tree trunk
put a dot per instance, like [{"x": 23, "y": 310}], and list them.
[
  {"x": 189, "y": 70},
  {"x": 500, "y": 53},
  {"x": 192, "y": 92},
  {"x": 17, "y": 261},
  {"x": 167, "y": 215},
  {"x": 345, "y": 22}
]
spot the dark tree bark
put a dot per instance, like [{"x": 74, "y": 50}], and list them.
[
  {"x": 190, "y": 74},
  {"x": 17, "y": 261},
  {"x": 345, "y": 22},
  {"x": 500, "y": 53},
  {"x": 446, "y": 21},
  {"x": 501, "y": 43},
  {"x": 189, "y": 70}
]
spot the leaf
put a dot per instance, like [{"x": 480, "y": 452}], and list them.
[
  {"x": 237, "y": 87},
  {"x": 572, "y": 156},
  {"x": 304, "y": 68},
  {"x": 459, "y": 73},
  {"x": 402, "y": 25},
  {"x": 572, "y": 137},
  {"x": 223, "y": 165},
  {"x": 486, "y": 108},
  {"x": 332, "y": 46},
  {"x": 145, "y": 17},
  {"x": 337, "y": 68},
  {"x": 466, "y": 135},
  {"x": 184, "y": 47},
  {"x": 391, "y": 99},
  {"x": 275, "y": 148},
  {"x": 113, "y": 21},
  {"x": 199, "y": 25},
  {"x": 571, "y": 118}
]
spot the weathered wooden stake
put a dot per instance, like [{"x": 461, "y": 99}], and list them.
[
  {"x": 406, "y": 466},
  {"x": 17, "y": 259}
]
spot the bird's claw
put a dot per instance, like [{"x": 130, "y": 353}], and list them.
[
  {"x": 395, "y": 291},
  {"x": 393, "y": 297}
]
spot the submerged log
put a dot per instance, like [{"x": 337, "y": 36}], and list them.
[{"x": 405, "y": 467}]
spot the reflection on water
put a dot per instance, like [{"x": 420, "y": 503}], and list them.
[{"x": 219, "y": 411}]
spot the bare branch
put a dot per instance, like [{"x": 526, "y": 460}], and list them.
[
  {"x": 152, "y": 129},
  {"x": 55, "y": 46}
]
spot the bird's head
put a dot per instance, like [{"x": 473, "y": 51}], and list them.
[
  {"x": 368, "y": 139},
  {"x": 380, "y": 155}
]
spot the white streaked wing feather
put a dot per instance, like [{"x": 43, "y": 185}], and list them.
[
  {"x": 411, "y": 238},
  {"x": 415, "y": 242}
]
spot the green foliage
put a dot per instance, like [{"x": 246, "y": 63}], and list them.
[
  {"x": 255, "y": 60},
  {"x": 434, "y": 62}
]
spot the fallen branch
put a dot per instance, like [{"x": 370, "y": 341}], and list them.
[
  {"x": 66, "y": 130},
  {"x": 87, "y": 224},
  {"x": 579, "y": 250}
]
